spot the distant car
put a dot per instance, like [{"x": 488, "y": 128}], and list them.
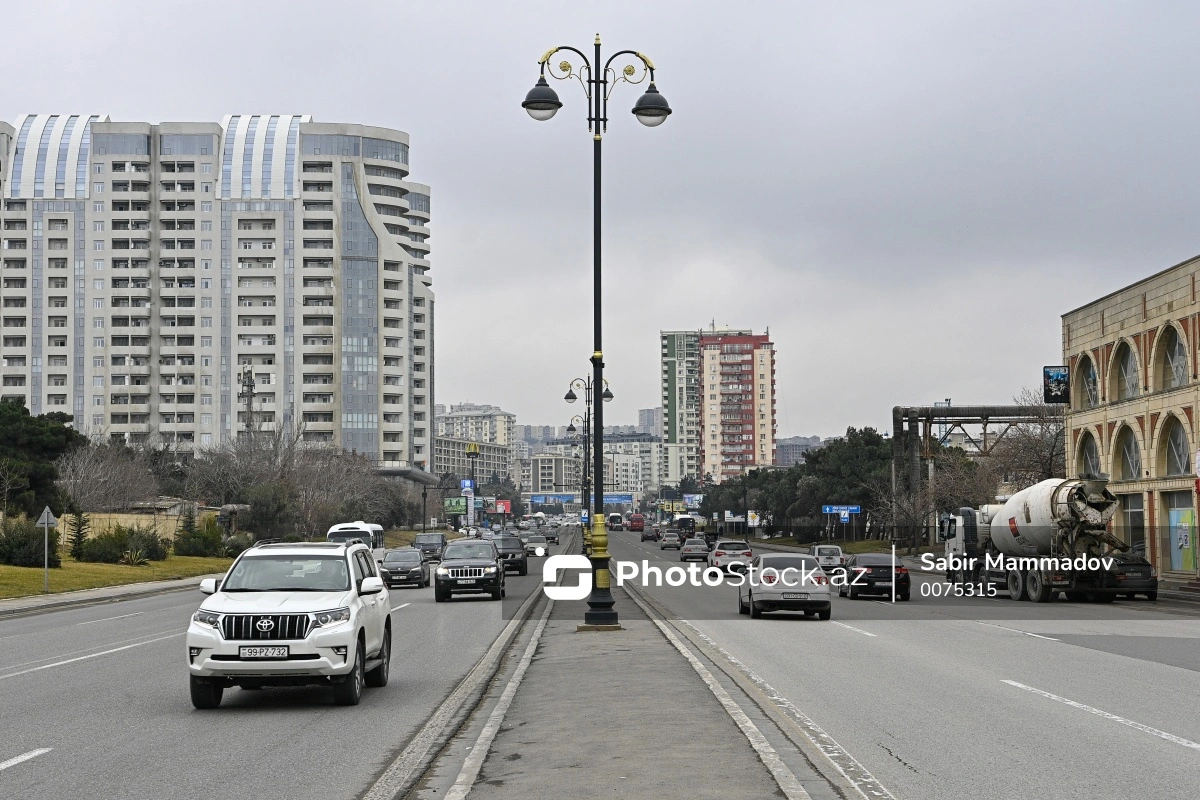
[
  {"x": 468, "y": 567},
  {"x": 830, "y": 557},
  {"x": 535, "y": 543},
  {"x": 730, "y": 554},
  {"x": 1135, "y": 575},
  {"x": 430, "y": 545},
  {"x": 649, "y": 535},
  {"x": 785, "y": 582},
  {"x": 512, "y": 551},
  {"x": 670, "y": 540},
  {"x": 693, "y": 550},
  {"x": 876, "y": 573},
  {"x": 552, "y": 534},
  {"x": 405, "y": 567}
]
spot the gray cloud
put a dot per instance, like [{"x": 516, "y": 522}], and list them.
[{"x": 908, "y": 194}]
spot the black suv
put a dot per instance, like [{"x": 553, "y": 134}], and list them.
[
  {"x": 513, "y": 553},
  {"x": 431, "y": 545},
  {"x": 470, "y": 566}
]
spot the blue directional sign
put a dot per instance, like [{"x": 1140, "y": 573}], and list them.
[
  {"x": 841, "y": 509},
  {"x": 466, "y": 483}
]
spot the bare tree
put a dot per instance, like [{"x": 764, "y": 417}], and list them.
[
  {"x": 1034, "y": 451},
  {"x": 105, "y": 477},
  {"x": 12, "y": 479}
]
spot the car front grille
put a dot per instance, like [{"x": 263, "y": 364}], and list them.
[
  {"x": 466, "y": 572},
  {"x": 265, "y": 627}
]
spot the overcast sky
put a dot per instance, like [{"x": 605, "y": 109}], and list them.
[{"x": 908, "y": 194}]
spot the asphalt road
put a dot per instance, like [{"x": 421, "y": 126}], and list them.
[
  {"x": 106, "y": 689},
  {"x": 949, "y": 701}
]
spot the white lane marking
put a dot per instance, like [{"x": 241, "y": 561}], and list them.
[
  {"x": 12, "y": 762},
  {"x": 784, "y": 777},
  {"x": 106, "y": 619},
  {"x": 1170, "y": 737},
  {"x": 93, "y": 655},
  {"x": 1016, "y": 630},
  {"x": 470, "y": 769},
  {"x": 852, "y": 628},
  {"x": 859, "y": 777},
  {"x": 397, "y": 608}
]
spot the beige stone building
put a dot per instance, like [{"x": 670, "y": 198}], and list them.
[{"x": 1135, "y": 398}]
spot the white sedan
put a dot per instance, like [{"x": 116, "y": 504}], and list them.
[
  {"x": 785, "y": 582},
  {"x": 730, "y": 554}
]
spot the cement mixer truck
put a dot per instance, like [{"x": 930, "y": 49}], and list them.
[{"x": 1048, "y": 539}]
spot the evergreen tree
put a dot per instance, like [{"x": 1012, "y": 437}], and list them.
[{"x": 78, "y": 531}]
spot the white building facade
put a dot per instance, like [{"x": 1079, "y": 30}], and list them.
[{"x": 152, "y": 273}]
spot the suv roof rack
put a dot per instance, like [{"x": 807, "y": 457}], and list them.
[{"x": 261, "y": 542}]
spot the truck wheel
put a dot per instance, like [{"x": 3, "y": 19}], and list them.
[
  {"x": 1016, "y": 585},
  {"x": 349, "y": 691},
  {"x": 379, "y": 676},
  {"x": 1038, "y": 588},
  {"x": 205, "y": 695}
]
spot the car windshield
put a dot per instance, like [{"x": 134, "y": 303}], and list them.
[
  {"x": 732, "y": 546},
  {"x": 508, "y": 542},
  {"x": 695, "y": 543},
  {"x": 346, "y": 536},
  {"x": 283, "y": 573},
  {"x": 429, "y": 538},
  {"x": 877, "y": 561},
  {"x": 537, "y": 539},
  {"x": 401, "y": 557},
  {"x": 827, "y": 551},
  {"x": 469, "y": 550}
]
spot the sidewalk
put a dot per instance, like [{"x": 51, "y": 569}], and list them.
[
  {"x": 617, "y": 713},
  {"x": 32, "y": 604}
]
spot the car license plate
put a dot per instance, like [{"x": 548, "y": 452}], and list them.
[
  {"x": 883, "y": 583},
  {"x": 263, "y": 652},
  {"x": 795, "y": 595},
  {"x": 466, "y": 580}
]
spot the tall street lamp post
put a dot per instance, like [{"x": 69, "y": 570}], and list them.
[
  {"x": 596, "y": 544},
  {"x": 651, "y": 109},
  {"x": 585, "y": 472}
]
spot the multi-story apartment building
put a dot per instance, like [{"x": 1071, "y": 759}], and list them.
[
  {"x": 650, "y": 421},
  {"x": 178, "y": 284},
  {"x": 553, "y": 473},
  {"x": 450, "y": 458},
  {"x": 680, "y": 355},
  {"x": 476, "y": 423},
  {"x": 737, "y": 403},
  {"x": 1135, "y": 407}
]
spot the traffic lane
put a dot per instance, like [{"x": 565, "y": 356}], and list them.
[
  {"x": 846, "y": 679},
  {"x": 131, "y": 708}
]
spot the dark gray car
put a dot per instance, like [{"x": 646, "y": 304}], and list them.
[
  {"x": 431, "y": 545},
  {"x": 512, "y": 552},
  {"x": 406, "y": 567}
]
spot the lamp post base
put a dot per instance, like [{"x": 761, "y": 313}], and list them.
[{"x": 590, "y": 628}]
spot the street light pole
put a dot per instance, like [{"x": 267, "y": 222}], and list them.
[{"x": 651, "y": 109}]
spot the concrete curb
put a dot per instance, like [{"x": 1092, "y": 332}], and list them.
[{"x": 22, "y": 606}]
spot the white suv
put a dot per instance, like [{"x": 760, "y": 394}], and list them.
[
  {"x": 291, "y": 615},
  {"x": 730, "y": 555}
]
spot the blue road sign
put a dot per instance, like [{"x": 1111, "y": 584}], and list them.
[
  {"x": 845, "y": 516},
  {"x": 841, "y": 509},
  {"x": 466, "y": 483}
]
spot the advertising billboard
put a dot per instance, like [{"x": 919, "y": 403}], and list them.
[
  {"x": 551, "y": 499},
  {"x": 692, "y": 501},
  {"x": 455, "y": 505},
  {"x": 1056, "y": 385},
  {"x": 503, "y": 506}
]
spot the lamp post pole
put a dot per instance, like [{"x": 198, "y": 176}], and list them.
[{"x": 651, "y": 109}]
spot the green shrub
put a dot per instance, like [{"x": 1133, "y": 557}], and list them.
[
  {"x": 22, "y": 544},
  {"x": 203, "y": 541},
  {"x": 234, "y": 545},
  {"x": 151, "y": 545},
  {"x": 105, "y": 548},
  {"x": 134, "y": 558},
  {"x": 77, "y": 534}
]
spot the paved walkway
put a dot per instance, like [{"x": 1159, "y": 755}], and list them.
[
  {"x": 617, "y": 714},
  {"x": 31, "y": 604}
]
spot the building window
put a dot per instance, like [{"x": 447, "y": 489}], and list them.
[
  {"x": 1178, "y": 455},
  {"x": 1128, "y": 456},
  {"x": 1089, "y": 394},
  {"x": 206, "y": 206},
  {"x": 1172, "y": 363},
  {"x": 1088, "y": 457},
  {"x": 1126, "y": 373},
  {"x": 98, "y": 207}
]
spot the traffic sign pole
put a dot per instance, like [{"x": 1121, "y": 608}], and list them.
[{"x": 46, "y": 520}]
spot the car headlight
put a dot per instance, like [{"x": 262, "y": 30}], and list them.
[
  {"x": 489, "y": 570},
  {"x": 324, "y": 619},
  {"x": 443, "y": 571},
  {"x": 210, "y": 619}
]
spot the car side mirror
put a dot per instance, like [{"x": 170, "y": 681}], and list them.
[
  {"x": 208, "y": 586},
  {"x": 372, "y": 585}
]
